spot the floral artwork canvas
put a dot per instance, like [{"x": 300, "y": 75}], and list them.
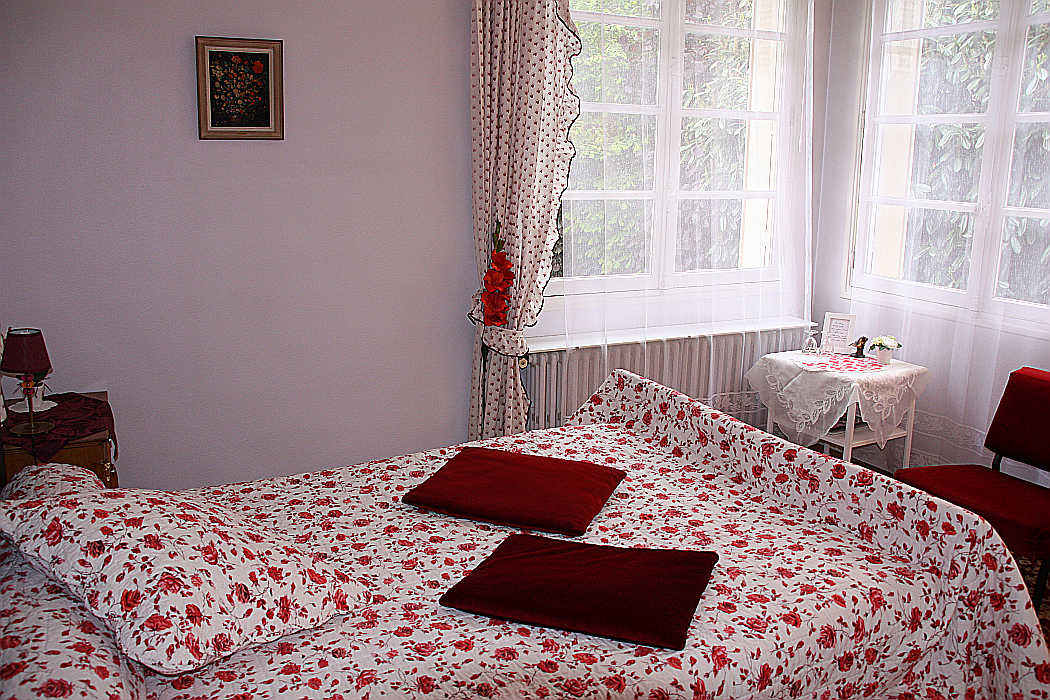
[{"x": 239, "y": 86}]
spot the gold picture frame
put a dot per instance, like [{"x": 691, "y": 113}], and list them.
[{"x": 240, "y": 88}]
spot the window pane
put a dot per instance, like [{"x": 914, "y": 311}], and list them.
[
  {"x": 728, "y": 72},
  {"x": 630, "y": 151},
  {"x": 728, "y": 154},
  {"x": 921, "y": 245},
  {"x": 1030, "y": 174},
  {"x": 1024, "y": 262},
  {"x": 904, "y": 15},
  {"x": 742, "y": 14},
  {"x": 587, "y": 167},
  {"x": 708, "y": 234},
  {"x": 618, "y": 64},
  {"x": 940, "y": 75},
  {"x": 1035, "y": 81},
  {"x": 613, "y": 151},
  {"x": 606, "y": 237},
  {"x": 630, "y": 8},
  {"x": 1040, "y": 6},
  {"x": 929, "y": 161},
  {"x": 723, "y": 234}
]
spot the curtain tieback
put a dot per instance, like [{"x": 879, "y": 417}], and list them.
[{"x": 505, "y": 341}]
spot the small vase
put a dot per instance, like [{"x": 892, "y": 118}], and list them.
[{"x": 883, "y": 355}]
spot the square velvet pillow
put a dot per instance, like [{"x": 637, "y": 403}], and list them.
[
  {"x": 506, "y": 488},
  {"x": 179, "y": 580},
  {"x": 645, "y": 596},
  {"x": 52, "y": 479}
]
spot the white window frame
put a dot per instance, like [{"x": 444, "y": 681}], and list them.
[
  {"x": 977, "y": 301},
  {"x": 662, "y": 279}
]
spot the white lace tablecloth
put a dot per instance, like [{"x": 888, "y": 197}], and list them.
[{"x": 807, "y": 394}]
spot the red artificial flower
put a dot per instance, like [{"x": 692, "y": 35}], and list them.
[
  {"x": 495, "y": 298},
  {"x": 494, "y": 301},
  {"x": 497, "y": 280},
  {"x": 500, "y": 261}
]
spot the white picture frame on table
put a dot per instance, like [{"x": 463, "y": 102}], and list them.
[{"x": 837, "y": 333}]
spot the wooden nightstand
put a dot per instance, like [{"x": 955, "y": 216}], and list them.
[{"x": 92, "y": 452}]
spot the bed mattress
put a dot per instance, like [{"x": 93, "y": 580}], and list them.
[{"x": 832, "y": 581}]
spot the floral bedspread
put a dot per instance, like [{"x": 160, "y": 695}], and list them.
[{"x": 832, "y": 581}]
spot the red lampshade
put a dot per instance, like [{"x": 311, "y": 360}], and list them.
[{"x": 25, "y": 353}]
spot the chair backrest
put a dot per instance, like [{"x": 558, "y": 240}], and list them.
[{"x": 1021, "y": 427}]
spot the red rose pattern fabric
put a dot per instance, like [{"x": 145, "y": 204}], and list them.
[
  {"x": 51, "y": 646},
  {"x": 51, "y": 479},
  {"x": 179, "y": 580},
  {"x": 832, "y": 582}
]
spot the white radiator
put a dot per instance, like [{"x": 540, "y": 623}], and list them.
[{"x": 708, "y": 367}]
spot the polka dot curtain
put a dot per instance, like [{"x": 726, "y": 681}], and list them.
[{"x": 522, "y": 108}]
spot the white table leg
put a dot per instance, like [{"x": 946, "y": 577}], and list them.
[
  {"x": 851, "y": 419},
  {"x": 907, "y": 438}
]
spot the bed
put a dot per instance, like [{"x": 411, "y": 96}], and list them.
[{"x": 832, "y": 582}]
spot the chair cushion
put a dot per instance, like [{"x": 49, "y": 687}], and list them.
[
  {"x": 1021, "y": 427},
  {"x": 1017, "y": 509}
]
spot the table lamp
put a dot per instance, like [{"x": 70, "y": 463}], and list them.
[{"x": 25, "y": 357}]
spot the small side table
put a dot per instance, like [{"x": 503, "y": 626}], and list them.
[
  {"x": 853, "y": 435},
  {"x": 93, "y": 451},
  {"x": 806, "y": 395}
]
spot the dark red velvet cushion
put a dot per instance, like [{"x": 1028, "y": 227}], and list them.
[
  {"x": 1021, "y": 427},
  {"x": 505, "y": 488},
  {"x": 1020, "y": 430},
  {"x": 1017, "y": 509},
  {"x": 644, "y": 596}
]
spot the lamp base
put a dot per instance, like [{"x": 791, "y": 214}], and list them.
[
  {"x": 39, "y": 406},
  {"x": 34, "y": 428}
]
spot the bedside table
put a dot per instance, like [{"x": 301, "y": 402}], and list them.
[{"x": 92, "y": 451}]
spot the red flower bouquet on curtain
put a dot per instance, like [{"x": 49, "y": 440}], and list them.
[{"x": 496, "y": 296}]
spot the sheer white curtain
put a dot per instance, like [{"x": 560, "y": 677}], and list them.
[
  {"x": 522, "y": 108},
  {"x": 954, "y": 225},
  {"x": 688, "y": 209}
]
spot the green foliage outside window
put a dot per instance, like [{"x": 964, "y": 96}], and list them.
[
  {"x": 616, "y": 151},
  {"x": 938, "y": 247},
  {"x": 946, "y": 158},
  {"x": 1024, "y": 266}
]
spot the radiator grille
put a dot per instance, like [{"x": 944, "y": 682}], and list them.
[{"x": 709, "y": 368}]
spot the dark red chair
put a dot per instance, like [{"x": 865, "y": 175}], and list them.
[{"x": 1019, "y": 510}]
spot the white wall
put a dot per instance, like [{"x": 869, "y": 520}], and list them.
[{"x": 253, "y": 308}]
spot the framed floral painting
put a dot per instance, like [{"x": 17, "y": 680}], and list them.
[{"x": 240, "y": 91}]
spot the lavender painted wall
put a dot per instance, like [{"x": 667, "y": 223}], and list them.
[{"x": 253, "y": 308}]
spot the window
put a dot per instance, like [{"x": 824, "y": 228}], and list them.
[
  {"x": 956, "y": 184},
  {"x": 688, "y": 133}
]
